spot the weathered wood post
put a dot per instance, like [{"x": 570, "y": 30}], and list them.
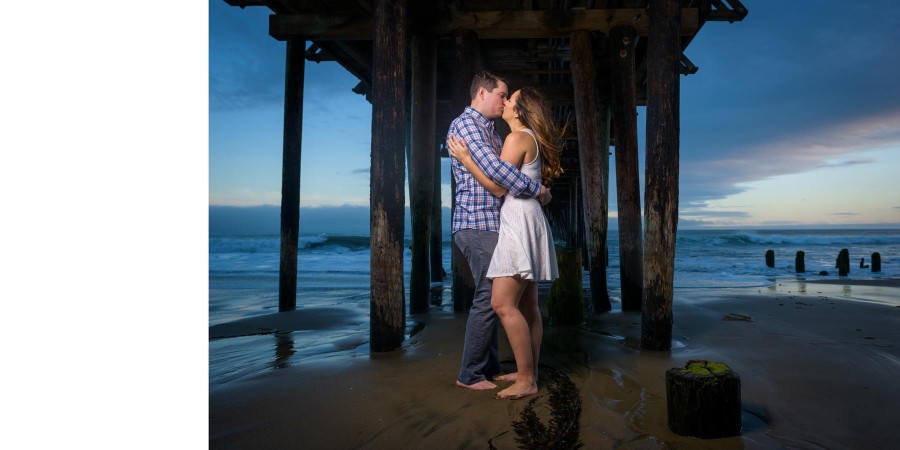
[
  {"x": 465, "y": 45},
  {"x": 290, "y": 172},
  {"x": 703, "y": 400},
  {"x": 628, "y": 191},
  {"x": 661, "y": 172},
  {"x": 565, "y": 301},
  {"x": 387, "y": 304},
  {"x": 843, "y": 262},
  {"x": 590, "y": 121},
  {"x": 799, "y": 263},
  {"x": 423, "y": 56},
  {"x": 436, "y": 251},
  {"x": 770, "y": 258},
  {"x": 876, "y": 262}
]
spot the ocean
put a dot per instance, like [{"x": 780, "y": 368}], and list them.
[
  {"x": 333, "y": 278},
  {"x": 334, "y": 269}
]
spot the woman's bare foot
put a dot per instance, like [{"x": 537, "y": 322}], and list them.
[
  {"x": 483, "y": 385},
  {"x": 517, "y": 391},
  {"x": 511, "y": 377}
]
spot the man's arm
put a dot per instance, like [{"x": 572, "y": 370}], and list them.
[{"x": 503, "y": 173}]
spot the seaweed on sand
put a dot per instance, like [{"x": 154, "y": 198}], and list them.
[{"x": 564, "y": 427}]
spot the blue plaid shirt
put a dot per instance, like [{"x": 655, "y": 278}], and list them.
[{"x": 476, "y": 208}]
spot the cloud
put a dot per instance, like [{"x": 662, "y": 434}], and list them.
[
  {"x": 805, "y": 150},
  {"x": 848, "y": 163},
  {"x": 246, "y": 65},
  {"x": 702, "y": 212},
  {"x": 784, "y": 91},
  {"x": 685, "y": 224}
]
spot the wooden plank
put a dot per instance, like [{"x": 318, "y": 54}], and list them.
[
  {"x": 387, "y": 298},
  {"x": 661, "y": 192},
  {"x": 487, "y": 24},
  {"x": 592, "y": 119},
  {"x": 621, "y": 52},
  {"x": 290, "y": 173},
  {"x": 556, "y": 23},
  {"x": 423, "y": 55}
]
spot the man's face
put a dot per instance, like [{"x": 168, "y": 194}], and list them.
[
  {"x": 494, "y": 100},
  {"x": 509, "y": 110}
]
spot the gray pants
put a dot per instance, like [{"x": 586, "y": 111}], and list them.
[{"x": 481, "y": 355}]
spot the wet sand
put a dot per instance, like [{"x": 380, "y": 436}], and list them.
[{"x": 819, "y": 364}]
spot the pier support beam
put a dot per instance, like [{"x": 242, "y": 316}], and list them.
[
  {"x": 592, "y": 119},
  {"x": 465, "y": 51},
  {"x": 290, "y": 172},
  {"x": 436, "y": 252},
  {"x": 423, "y": 55},
  {"x": 628, "y": 191},
  {"x": 661, "y": 173},
  {"x": 387, "y": 304}
]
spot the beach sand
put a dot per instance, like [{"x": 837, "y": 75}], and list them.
[{"x": 819, "y": 366}]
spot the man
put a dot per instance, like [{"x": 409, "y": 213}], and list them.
[{"x": 476, "y": 221}]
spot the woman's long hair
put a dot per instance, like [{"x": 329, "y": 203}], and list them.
[{"x": 535, "y": 114}]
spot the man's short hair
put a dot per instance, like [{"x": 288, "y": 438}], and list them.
[{"x": 486, "y": 80}]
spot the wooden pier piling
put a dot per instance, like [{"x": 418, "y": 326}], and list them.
[
  {"x": 423, "y": 60},
  {"x": 290, "y": 172},
  {"x": 628, "y": 191},
  {"x": 387, "y": 304},
  {"x": 661, "y": 172},
  {"x": 799, "y": 263},
  {"x": 565, "y": 301},
  {"x": 592, "y": 120},
  {"x": 465, "y": 54}
]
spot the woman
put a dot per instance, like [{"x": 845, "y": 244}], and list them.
[{"x": 525, "y": 253}]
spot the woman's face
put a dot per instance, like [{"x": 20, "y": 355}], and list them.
[{"x": 509, "y": 107}]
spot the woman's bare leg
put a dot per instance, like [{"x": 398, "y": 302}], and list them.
[
  {"x": 528, "y": 305},
  {"x": 505, "y": 296}
]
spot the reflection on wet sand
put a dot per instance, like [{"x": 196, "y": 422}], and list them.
[
  {"x": 284, "y": 349},
  {"x": 796, "y": 346}
]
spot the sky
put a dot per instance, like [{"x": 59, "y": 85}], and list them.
[{"x": 792, "y": 120}]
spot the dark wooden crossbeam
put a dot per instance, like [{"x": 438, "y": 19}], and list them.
[
  {"x": 487, "y": 24},
  {"x": 726, "y": 10}
]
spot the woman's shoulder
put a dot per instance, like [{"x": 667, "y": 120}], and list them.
[{"x": 519, "y": 137}]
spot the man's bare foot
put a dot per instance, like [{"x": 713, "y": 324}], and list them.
[
  {"x": 517, "y": 391},
  {"x": 483, "y": 385},
  {"x": 510, "y": 377}
]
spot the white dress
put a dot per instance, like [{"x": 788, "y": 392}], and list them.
[{"x": 525, "y": 244}]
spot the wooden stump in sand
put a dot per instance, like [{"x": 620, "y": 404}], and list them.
[
  {"x": 565, "y": 301},
  {"x": 704, "y": 400},
  {"x": 770, "y": 258}
]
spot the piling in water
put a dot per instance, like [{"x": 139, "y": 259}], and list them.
[
  {"x": 843, "y": 262},
  {"x": 770, "y": 258},
  {"x": 876, "y": 262},
  {"x": 799, "y": 263}
]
